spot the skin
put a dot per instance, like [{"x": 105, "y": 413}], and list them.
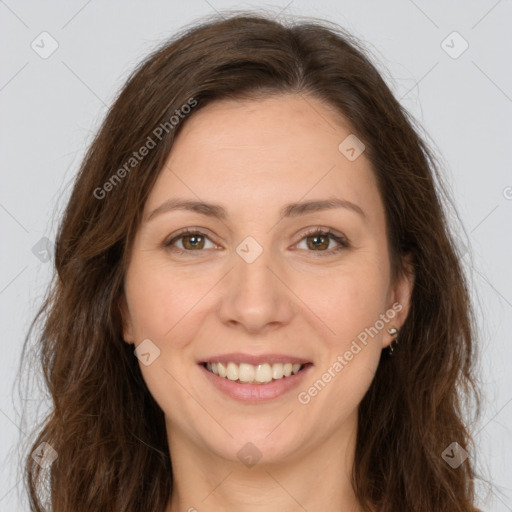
[{"x": 252, "y": 157}]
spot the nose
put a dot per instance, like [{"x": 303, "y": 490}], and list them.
[{"x": 255, "y": 296}]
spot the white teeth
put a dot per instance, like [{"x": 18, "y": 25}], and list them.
[
  {"x": 277, "y": 371},
  {"x": 232, "y": 371},
  {"x": 251, "y": 374},
  {"x": 264, "y": 373},
  {"x": 221, "y": 369},
  {"x": 246, "y": 372}
]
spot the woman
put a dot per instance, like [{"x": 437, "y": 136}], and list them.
[{"x": 257, "y": 292}]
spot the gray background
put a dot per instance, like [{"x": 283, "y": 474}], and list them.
[{"x": 51, "y": 107}]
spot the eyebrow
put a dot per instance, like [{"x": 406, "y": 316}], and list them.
[{"x": 289, "y": 210}]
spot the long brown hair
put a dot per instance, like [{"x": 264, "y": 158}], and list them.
[{"x": 106, "y": 429}]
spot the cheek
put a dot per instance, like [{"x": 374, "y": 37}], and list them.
[
  {"x": 347, "y": 307},
  {"x": 161, "y": 305},
  {"x": 347, "y": 301},
  {"x": 160, "y": 299}
]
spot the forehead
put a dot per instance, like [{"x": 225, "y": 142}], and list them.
[{"x": 265, "y": 153}]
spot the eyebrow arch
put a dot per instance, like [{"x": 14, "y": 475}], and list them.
[{"x": 289, "y": 210}]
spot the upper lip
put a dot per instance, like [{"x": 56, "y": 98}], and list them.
[{"x": 254, "y": 359}]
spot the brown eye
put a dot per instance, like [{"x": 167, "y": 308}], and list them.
[
  {"x": 319, "y": 240},
  {"x": 190, "y": 241},
  {"x": 193, "y": 241}
]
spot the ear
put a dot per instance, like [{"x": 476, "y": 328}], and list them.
[
  {"x": 126, "y": 319},
  {"x": 400, "y": 298}
]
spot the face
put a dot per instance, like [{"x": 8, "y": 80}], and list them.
[{"x": 258, "y": 284}]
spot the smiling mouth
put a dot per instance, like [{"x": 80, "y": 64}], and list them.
[{"x": 245, "y": 373}]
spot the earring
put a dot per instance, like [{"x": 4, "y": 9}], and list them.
[{"x": 394, "y": 332}]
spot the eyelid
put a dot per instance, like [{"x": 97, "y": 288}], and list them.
[
  {"x": 188, "y": 231},
  {"x": 339, "y": 238},
  {"x": 342, "y": 241},
  {"x": 326, "y": 230}
]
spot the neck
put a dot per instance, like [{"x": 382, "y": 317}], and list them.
[{"x": 312, "y": 478}]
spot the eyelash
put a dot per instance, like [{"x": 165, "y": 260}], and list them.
[{"x": 343, "y": 242}]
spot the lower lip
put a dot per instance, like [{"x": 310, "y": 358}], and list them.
[{"x": 256, "y": 393}]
